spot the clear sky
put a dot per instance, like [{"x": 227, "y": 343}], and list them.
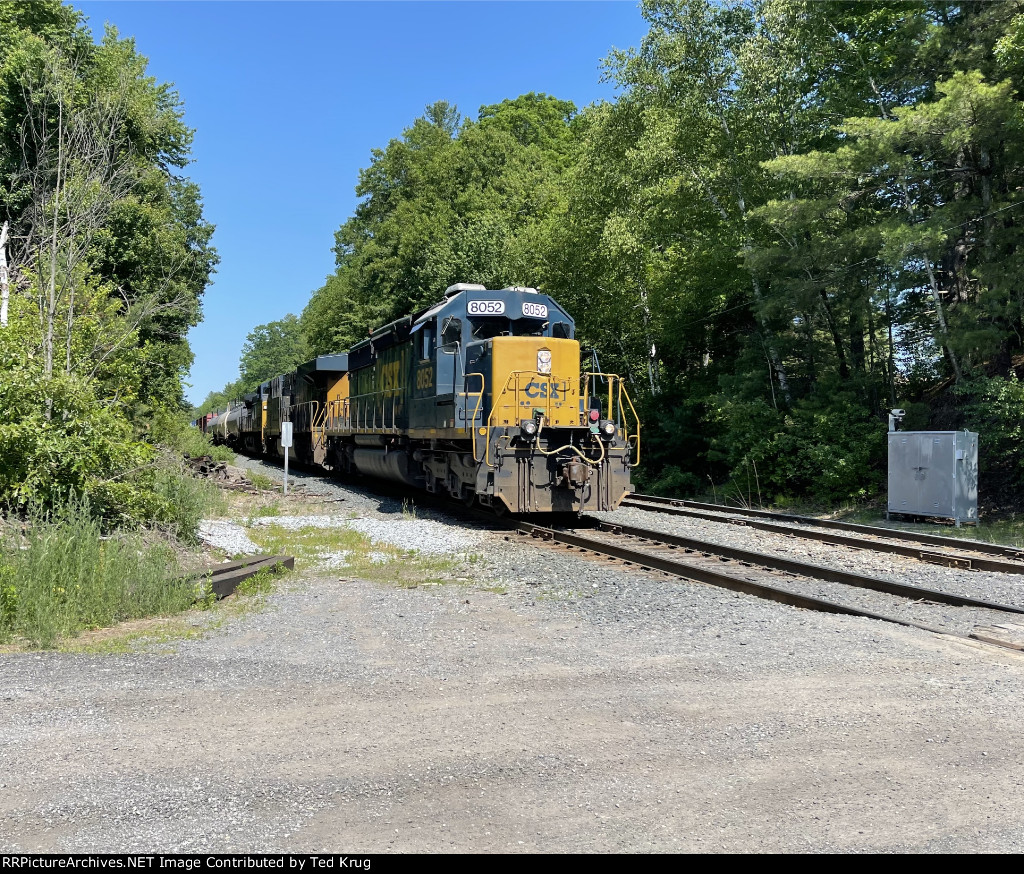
[{"x": 288, "y": 98}]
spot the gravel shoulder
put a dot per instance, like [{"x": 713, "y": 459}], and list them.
[{"x": 525, "y": 700}]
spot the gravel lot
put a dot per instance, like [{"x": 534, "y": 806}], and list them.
[{"x": 550, "y": 703}]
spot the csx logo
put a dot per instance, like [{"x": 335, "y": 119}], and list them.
[
  {"x": 542, "y": 390},
  {"x": 389, "y": 376}
]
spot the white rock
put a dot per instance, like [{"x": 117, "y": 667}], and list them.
[{"x": 227, "y": 536}]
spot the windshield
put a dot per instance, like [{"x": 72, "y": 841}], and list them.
[{"x": 485, "y": 328}]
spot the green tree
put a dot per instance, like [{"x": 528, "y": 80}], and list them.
[
  {"x": 271, "y": 350},
  {"x": 451, "y": 200},
  {"x": 109, "y": 258}
]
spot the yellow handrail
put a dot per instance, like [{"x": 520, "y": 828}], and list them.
[
  {"x": 625, "y": 425},
  {"x": 616, "y": 413},
  {"x": 479, "y": 395},
  {"x": 318, "y": 427}
]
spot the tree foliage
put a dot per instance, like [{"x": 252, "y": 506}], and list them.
[
  {"x": 452, "y": 200},
  {"x": 794, "y": 215},
  {"x": 109, "y": 256},
  {"x": 270, "y": 350}
]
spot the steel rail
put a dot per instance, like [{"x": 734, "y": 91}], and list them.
[
  {"x": 711, "y": 577},
  {"x": 713, "y": 513},
  {"x": 733, "y": 583},
  {"x": 876, "y": 530},
  {"x": 806, "y": 569}
]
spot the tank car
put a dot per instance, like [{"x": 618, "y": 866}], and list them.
[{"x": 480, "y": 396}]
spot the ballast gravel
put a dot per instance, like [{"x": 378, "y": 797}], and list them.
[
  {"x": 228, "y": 536},
  {"x": 420, "y": 535},
  {"x": 984, "y": 585},
  {"x": 416, "y": 535},
  {"x": 544, "y": 702}
]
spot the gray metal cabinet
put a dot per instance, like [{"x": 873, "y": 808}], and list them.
[{"x": 934, "y": 473}]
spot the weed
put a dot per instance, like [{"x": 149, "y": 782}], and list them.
[
  {"x": 260, "y": 584},
  {"x": 188, "y": 499},
  {"x": 205, "y": 596},
  {"x": 67, "y": 576},
  {"x": 263, "y": 482},
  {"x": 408, "y": 509},
  {"x": 262, "y": 512}
]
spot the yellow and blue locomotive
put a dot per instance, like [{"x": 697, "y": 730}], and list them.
[{"x": 480, "y": 396}]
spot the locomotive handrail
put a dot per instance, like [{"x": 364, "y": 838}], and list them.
[
  {"x": 360, "y": 412},
  {"x": 331, "y": 415},
  {"x": 318, "y": 424},
  {"x": 471, "y": 422},
  {"x": 299, "y": 412},
  {"x": 616, "y": 412},
  {"x": 629, "y": 438}
]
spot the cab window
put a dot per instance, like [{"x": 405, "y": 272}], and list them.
[
  {"x": 452, "y": 331},
  {"x": 562, "y": 330},
  {"x": 428, "y": 341}
]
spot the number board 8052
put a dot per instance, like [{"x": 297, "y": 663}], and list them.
[{"x": 486, "y": 307}]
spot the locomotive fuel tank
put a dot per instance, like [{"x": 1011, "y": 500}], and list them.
[{"x": 393, "y": 465}]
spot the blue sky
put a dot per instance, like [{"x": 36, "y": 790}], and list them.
[{"x": 288, "y": 98}]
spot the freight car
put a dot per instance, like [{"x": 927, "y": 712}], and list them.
[{"x": 480, "y": 396}]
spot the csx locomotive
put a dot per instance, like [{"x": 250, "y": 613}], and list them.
[{"x": 480, "y": 396}]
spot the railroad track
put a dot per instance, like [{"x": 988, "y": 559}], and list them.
[
  {"x": 797, "y": 584},
  {"x": 762, "y": 575},
  {"x": 931, "y": 548}
]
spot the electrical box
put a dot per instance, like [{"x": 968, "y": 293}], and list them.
[{"x": 934, "y": 473}]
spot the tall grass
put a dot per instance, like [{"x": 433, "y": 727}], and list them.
[
  {"x": 174, "y": 431},
  {"x": 186, "y": 499},
  {"x": 63, "y": 575}
]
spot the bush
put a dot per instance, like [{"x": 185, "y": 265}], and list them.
[
  {"x": 59, "y": 442},
  {"x": 828, "y": 449},
  {"x": 670, "y": 482},
  {"x": 994, "y": 407},
  {"x": 71, "y": 577},
  {"x": 165, "y": 494},
  {"x": 57, "y": 438},
  {"x": 173, "y": 430}
]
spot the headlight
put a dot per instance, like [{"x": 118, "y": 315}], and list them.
[
  {"x": 608, "y": 429},
  {"x": 544, "y": 361},
  {"x": 528, "y": 428}
]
